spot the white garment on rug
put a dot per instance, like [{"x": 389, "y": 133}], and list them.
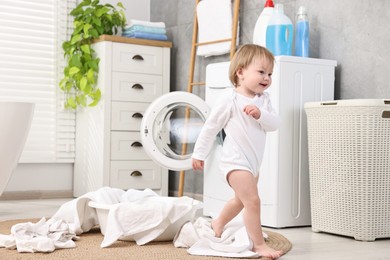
[
  {"x": 39, "y": 237},
  {"x": 145, "y": 219},
  {"x": 200, "y": 239},
  {"x": 80, "y": 217},
  {"x": 214, "y": 23}
]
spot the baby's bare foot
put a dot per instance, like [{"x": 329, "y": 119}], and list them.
[
  {"x": 266, "y": 251},
  {"x": 216, "y": 228}
]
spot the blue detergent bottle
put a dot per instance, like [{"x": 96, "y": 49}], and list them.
[
  {"x": 302, "y": 33},
  {"x": 280, "y": 31}
]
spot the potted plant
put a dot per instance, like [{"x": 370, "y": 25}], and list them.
[{"x": 91, "y": 19}]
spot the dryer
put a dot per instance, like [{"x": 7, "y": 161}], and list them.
[{"x": 284, "y": 177}]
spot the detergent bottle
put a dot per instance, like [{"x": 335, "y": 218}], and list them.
[
  {"x": 279, "y": 35},
  {"x": 302, "y": 33},
  {"x": 259, "y": 33}
]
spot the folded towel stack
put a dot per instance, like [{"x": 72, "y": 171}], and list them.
[{"x": 145, "y": 30}]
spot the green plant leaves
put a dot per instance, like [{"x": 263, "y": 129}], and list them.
[
  {"x": 81, "y": 100},
  {"x": 96, "y": 21},
  {"x": 85, "y": 48},
  {"x": 73, "y": 70},
  {"x": 101, "y": 11},
  {"x": 83, "y": 83},
  {"x": 71, "y": 103},
  {"x": 91, "y": 20},
  {"x": 76, "y": 38},
  {"x": 91, "y": 76},
  {"x": 96, "y": 96},
  {"x": 74, "y": 61}
]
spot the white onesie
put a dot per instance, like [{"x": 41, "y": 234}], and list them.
[{"x": 243, "y": 147}]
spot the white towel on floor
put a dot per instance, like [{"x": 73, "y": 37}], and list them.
[
  {"x": 79, "y": 215},
  {"x": 200, "y": 239},
  {"x": 39, "y": 237},
  {"x": 145, "y": 219},
  {"x": 214, "y": 23}
]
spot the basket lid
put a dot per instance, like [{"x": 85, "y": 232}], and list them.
[{"x": 349, "y": 103}]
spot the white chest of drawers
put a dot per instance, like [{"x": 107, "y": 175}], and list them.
[{"x": 109, "y": 152}]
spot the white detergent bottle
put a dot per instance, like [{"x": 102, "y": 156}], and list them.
[
  {"x": 260, "y": 30},
  {"x": 280, "y": 32}
]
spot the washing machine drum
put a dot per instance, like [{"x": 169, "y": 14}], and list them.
[{"x": 170, "y": 127}]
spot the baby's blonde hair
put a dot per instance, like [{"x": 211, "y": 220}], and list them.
[{"x": 244, "y": 56}]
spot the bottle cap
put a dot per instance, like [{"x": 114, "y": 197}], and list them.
[
  {"x": 269, "y": 3},
  {"x": 279, "y": 8},
  {"x": 302, "y": 10}
]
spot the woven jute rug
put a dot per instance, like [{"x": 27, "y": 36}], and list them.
[{"x": 88, "y": 247}]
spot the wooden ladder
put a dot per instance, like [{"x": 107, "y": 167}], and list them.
[{"x": 191, "y": 83}]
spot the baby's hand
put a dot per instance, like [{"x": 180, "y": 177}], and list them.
[
  {"x": 197, "y": 164},
  {"x": 253, "y": 111}
]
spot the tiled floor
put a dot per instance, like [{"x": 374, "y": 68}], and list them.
[{"x": 307, "y": 245}]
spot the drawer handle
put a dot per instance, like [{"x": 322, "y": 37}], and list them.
[
  {"x": 137, "y": 115},
  {"x": 332, "y": 103},
  {"x": 386, "y": 114},
  {"x": 137, "y": 86},
  {"x": 136, "y": 174},
  {"x": 136, "y": 144},
  {"x": 137, "y": 57}
]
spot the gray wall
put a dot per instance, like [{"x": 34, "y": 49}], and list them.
[{"x": 355, "y": 33}]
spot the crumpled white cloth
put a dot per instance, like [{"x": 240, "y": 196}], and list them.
[
  {"x": 39, "y": 237},
  {"x": 147, "y": 218},
  {"x": 200, "y": 238},
  {"x": 80, "y": 217}
]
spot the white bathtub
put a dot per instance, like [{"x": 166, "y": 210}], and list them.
[
  {"x": 168, "y": 235},
  {"x": 15, "y": 122}
]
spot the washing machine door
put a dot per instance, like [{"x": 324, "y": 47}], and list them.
[{"x": 170, "y": 127}]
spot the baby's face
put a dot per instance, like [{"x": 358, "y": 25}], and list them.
[{"x": 255, "y": 78}]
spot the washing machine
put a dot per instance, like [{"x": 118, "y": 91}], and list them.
[
  {"x": 170, "y": 127},
  {"x": 172, "y": 123}
]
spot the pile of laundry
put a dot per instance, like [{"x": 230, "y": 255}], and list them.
[
  {"x": 145, "y": 30},
  {"x": 75, "y": 217},
  {"x": 139, "y": 215}
]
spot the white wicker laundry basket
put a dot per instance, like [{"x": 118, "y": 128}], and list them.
[{"x": 349, "y": 163}]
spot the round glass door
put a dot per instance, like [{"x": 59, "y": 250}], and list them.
[{"x": 170, "y": 127}]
